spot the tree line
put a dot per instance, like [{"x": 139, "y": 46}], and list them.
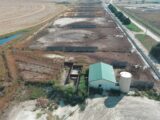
[{"x": 125, "y": 20}]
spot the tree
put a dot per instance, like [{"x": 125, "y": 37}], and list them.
[
  {"x": 82, "y": 88},
  {"x": 119, "y": 15},
  {"x": 68, "y": 91},
  {"x": 126, "y": 21},
  {"x": 155, "y": 52}
]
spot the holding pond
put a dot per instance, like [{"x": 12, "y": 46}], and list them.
[{"x": 6, "y": 39}]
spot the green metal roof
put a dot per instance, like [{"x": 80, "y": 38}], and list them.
[{"x": 101, "y": 71}]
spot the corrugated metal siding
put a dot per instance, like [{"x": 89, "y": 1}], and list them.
[{"x": 101, "y": 71}]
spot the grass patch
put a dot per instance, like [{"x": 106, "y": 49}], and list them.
[
  {"x": 82, "y": 89},
  {"x": 133, "y": 27},
  {"x": 147, "y": 41},
  {"x": 36, "y": 92},
  {"x": 38, "y": 115},
  {"x": 16, "y": 32}
]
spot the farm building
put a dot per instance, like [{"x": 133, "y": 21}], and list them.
[{"x": 102, "y": 75}]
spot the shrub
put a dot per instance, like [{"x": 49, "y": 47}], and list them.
[
  {"x": 94, "y": 91},
  {"x": 151, "y": 94},
  {"x": 87, "y": 72},
  {"x": 82, "y": 106},
  {"x": 120, "y": 15},
  {"x": 82, "y": 89},
  {"x": 68, "y": 92},
  {"x": 36, "y": 92},
  {"x": 38, "y": 115},
  {"x": 126, "y": 21},
  {"x": 155, "y": 52}
]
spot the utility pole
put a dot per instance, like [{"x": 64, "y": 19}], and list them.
[{"x": 145, "y": 34}]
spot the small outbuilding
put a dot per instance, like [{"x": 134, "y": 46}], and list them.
[{"x": 101, "y": 75}]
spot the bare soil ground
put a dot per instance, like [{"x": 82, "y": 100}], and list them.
[
  {"x": 36, "y": 68},
  {"x": 108, "y": 57},
  {"x": 11, "y": 63},
  {"x": 20, "y": 14},
  {"x": 99, "y": 32},
  {"x": 109, "y": 38},
  {"x": 102, "y": 108}
]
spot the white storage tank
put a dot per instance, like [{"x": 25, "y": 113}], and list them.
[{"x": 125, "y": 81}]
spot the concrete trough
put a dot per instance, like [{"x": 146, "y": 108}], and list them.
[{"x": 71, "y": 48}]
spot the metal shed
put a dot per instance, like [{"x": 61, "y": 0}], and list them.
[{"x": 101, "y": 75}]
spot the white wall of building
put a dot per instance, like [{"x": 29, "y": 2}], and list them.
[{"x": 106, "y": 85}]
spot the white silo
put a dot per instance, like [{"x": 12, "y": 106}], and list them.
[{"x": 125, "y": 81}]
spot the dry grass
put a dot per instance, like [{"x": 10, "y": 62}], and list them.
[
  {"x": 146, "y": 41},
  {"x": 3, "y": 70},
  {"x": 20, "y": 14}
]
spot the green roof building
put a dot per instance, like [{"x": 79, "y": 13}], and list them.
[{"x": 101, "y": 75}]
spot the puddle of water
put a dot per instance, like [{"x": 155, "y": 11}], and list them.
[{"x": 9, "y": 38}]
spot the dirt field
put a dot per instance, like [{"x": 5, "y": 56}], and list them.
[
  {"x": 78, "y": 31},
  {"x": 20, "y": 14},
  {"x": 36, "y": 68},
  {"x": 98, "y": 31}
]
